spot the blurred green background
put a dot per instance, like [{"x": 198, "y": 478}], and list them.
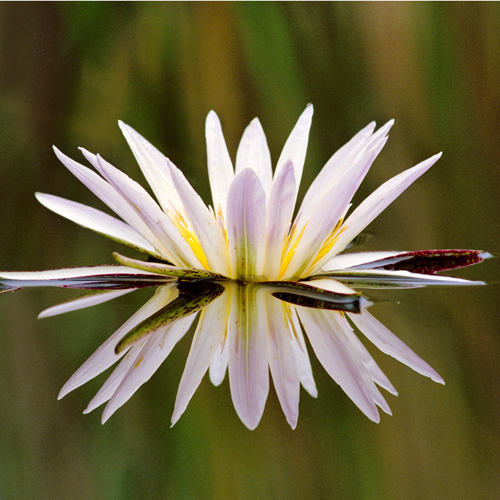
[{"x": 69, "y": 71}]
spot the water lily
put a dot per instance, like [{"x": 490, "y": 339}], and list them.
[{"x": 255, "y": 278}]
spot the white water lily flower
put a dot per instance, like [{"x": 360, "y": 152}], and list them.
[{"x": 259, "y": 277}]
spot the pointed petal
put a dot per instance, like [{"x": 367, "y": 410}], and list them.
[
  {"x": 374, "y": 372},
  {"x": 105, "y": 393},
  {"x": 88, "y": 300},
  {"x": 211, "y": 239},
  {"x": 278, "y": 216},
  {"x": 388, "y": 343},
  {"x": 248, "y": 359},
  {"x": 96, "y": 278},
  {"x": 302, "y": 357},
  {"x": 253, "y": 153},
  {"x": 154, "y": 352},
  {"x": 177, "y": 249},
  {"x": 296, "y": 147},
  {"x": 380, "y": 278},
  {"x": 246, "y": 225},
  {"x": 97, "y": 221},
  {"x": 108, "y": 194},
  {"x": 357, "y": 259},
  {"x": 154, "y": 166},
  {"x": 105, "y": 356},
  {"x": 282, "y": 361},
  {"x": 342, "y": 162},
  {"x": 211, "y": 329},
  {"x": 218, "y": 366},
  {"x": 321, "y": 220},
  {"x": 220, "y": 167},
  {"x": 371, "y": 207},
  {"x": 332, "y": 350}
]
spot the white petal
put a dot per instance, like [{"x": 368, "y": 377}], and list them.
[
  {"x": 209, "y": 333},
  {"x": 380, "y": 278},
  {"x": 108, "y": 194},
  {"x": 278, "y": 216},
  {"x": 320, "y": 223},
  {"x": 88, "y": 300},
  {"x": 371, "y": 207},
  {"x": 296, "y": 147},
  {"x": 371, "y": 366},
  {"x": 112, "y": 383},
  {"x": 348, "y": 260},
  {"x": 105, "y": 356},
  {"x": 248, "y": 362},
  {"x": 253, "y": 153},
  {"x": 77, "y": 277},
  {"x": 388, "y": 343},
  {"x": 330, "y": 285},
  {"x": 332, "y": 350},
  {"x": 302, "y": 357},
  {"x": 336, "y": 166},
  {"x": 205, "y": 226},
  {"x": 152, "y": 355},
  {"x": 218, "y": 366},
  {"x": 220, "y": 167},
  {"x": 246, "y": 225},
  {"x": 97, "y": 221},
  {"x": 154, "y": 166},
  {"x": 176, "y": 247},
  {"x": 282, "y": 361}
]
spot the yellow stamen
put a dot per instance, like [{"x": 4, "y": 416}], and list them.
[
  {"x": 190, "y": 236},
  {"x": 289, "y": 249}
]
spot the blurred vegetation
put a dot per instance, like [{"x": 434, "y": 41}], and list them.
[{"x": 69, "y": 71}]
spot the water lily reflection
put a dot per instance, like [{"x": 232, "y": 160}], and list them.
[{"x": 255, "y": 278}]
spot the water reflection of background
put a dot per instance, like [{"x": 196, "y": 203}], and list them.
[{"x": 69, "y": 71}]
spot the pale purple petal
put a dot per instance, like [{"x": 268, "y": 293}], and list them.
[
  {"x": 278, "y": 216},
  {"x": 218, "y": 366},
  {"x": 380, "y": 278},
  {"x": 112, "y": 383},
  {"x": 340, "y": 163},
  {"x": 108, "y": 194},
  {"x": 296, "y": 147},
  {"x": 97, "y": 277},
  {"x": 154, "y": 166},
  {"x": 179, "y": 251},
  {"x": 83, "y": 302},
  {"x": 106, "y": 356},
  {"x": 302, "y": 357},
  {"x": 220, "y": 167},
  {"x": 388, "y": 343},
  {"x": 335, "y": 354},
  {"x": 371, "y": 366},
  {"x": 246, "y": 225},
  {"x": 209, "y": 333},
  {"x": 212, "y": 240},
  {"x": 320, "y": 223},
  {"x": 152, "y": 355},
  {"x": 248, "y": 361},
  {"x": 371, "y": 207},
  {"x": 282, "y": 361},
  {"x": 349, "y": 260},
  {"x": 97, "y": 221},
  {"x": 253, "y": 153}
]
